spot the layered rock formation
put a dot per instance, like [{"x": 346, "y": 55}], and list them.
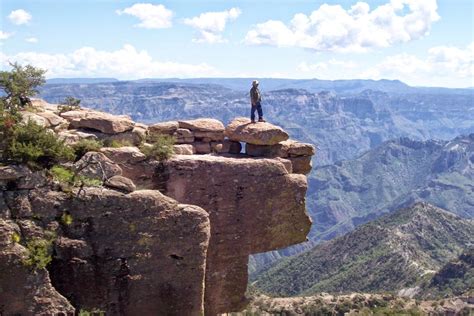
[{"x": 165, "y": 237}]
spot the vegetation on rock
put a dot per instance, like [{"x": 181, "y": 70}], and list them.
[
  {"x": 160, "y": 149},
  {"x": 40, "y": 251},
  {"x": 18, "y": 84},
  {"x": 26, "y": 142},
  {"x": 32, "y": 143},
  {"x": 397, "y": 251},
  {"x": 68, "y": 177},
  {"x": 85, "y": 145}
]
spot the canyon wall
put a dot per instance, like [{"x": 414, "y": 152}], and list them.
[{"x": 168, "y": 237}]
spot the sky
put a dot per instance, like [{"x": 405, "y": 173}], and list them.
[{"x": 420, "y": 42}]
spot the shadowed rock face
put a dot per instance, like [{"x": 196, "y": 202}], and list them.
[
  {"x": 135, "y": 254},
  {"x": 254, "y": 205},
  {"x": 23, "y": 291}
]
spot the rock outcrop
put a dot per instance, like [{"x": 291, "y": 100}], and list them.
[
  {"x": 242, "y": 130},
  {"x": 166, "y": 237}
]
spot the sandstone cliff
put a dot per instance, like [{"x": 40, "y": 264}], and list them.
[{"x": 155, "y": 237}]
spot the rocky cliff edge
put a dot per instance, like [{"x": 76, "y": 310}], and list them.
[{"x": 168, "y": 237}]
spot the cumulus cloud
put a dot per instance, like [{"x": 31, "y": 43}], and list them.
[
  {"x": 19, "y": 17},
  {"x": 443, "y": 65},
  {"x": 4, "y": 35},
  {"x": 151, "y": 16},
  {"x": 332, "y": 63},
  {"x": 332, "y": 28},
  {"x": 211, "y": 25},
  {"x": 124, "y": 63},
  {"x": 331, "y": 69},
  {"x": 31, "y": 40}
]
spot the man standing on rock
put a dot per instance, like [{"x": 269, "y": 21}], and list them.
[{"x": 255, "y": 100}]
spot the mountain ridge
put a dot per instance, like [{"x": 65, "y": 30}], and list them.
[{"x": 393, "y": 252}]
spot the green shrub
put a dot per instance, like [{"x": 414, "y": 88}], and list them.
[
  {"x": 40, "y": 251},
  {"x": 93, "y": 312},
  {"x": 69, "y": 104},
  {"x": 85, "y": 145},
  {"x": 33, "y": 143},
  {"x": 62, "y": 174},
  {"x": 66, "y": 219},
  {"x": 160, "y": 149},
  {"x": 66, "y": 176},
  {"x": 16, "y": 238},
  {"x": 115, "y": 143}
]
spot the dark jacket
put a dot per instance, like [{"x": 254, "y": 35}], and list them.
[{"x": 255, "y": 96}]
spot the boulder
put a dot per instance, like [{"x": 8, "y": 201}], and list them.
[
  {"x": 120, "y": 183},
  {"x": 33, "y": 117},
  {"x": 202, "y": 147},
  {"x": 242, "y": 130},
  {"x": 42, "y": 105},
  {"x": 97, "y": 166},
  {"x": 123, "y": 155},
  {"x": 100, "y": 121},
  {"x": 287, "y": 163},
  {"x": 134, "y": 137},
  {"x": 163, "y": 128},
  {"x": 183, "y": 136},
  {"x": 184, "y": 149},
  {"x": 291, "y": 148},
  {"x": 53, "y": 119},
  {"x": 203, "y": 125},
  {"x": 227, "y": 146},
  {"x": 301, "y": 164},
  {"x": 72, "y": 136}
]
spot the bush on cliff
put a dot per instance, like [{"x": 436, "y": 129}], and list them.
[
  {"x": 40, "y": 251},
  {"x": 69, "y": 104},
  {"x": 85, "y": 145},
  {"x": 69, "y": 178},
  {"x": 160, "y": 149},
  {"x": 33, "y": 144},
  {"x": 26, "y": 142}
]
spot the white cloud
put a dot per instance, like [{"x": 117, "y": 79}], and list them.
[
  {"x": 442, "y": 66},
  {"x": 329, "y": 70},
  {"x": 332, "y": 28},
  {"x": 31, "y": 40},
  {"x": 125, "y": 63},
  {"x": 4, "y": 35},
  {"x": 152, "y": 16},
  {"x": 211, "y": 25},
  {"x": 19, "y": 17}
]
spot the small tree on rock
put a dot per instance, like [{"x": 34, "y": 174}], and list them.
[{"x": 19, "y": 85}]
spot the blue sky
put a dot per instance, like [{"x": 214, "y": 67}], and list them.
[{"x": 421, "y": 42}]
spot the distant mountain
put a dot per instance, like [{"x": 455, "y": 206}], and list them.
[
  {"x": 396, "y": 251},
  {"x": 393, "y": 175},
  {"x": 311, "y": 85},
  {"x": 79, "y": 80},
  {"x": 342, "y": 126}
]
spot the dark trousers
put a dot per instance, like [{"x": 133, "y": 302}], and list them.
[{"x": 257, "y": 107}]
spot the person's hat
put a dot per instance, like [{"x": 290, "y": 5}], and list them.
[{"x": 255, "y": 83}]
